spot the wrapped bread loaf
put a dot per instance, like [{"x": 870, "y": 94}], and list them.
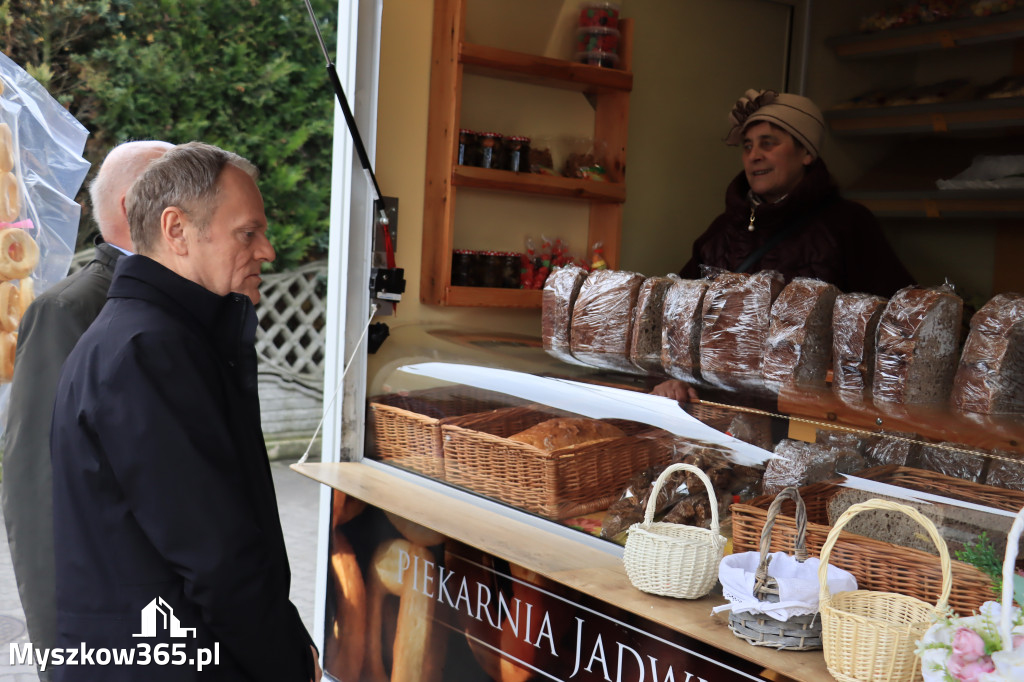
[
  {"x": 602, "y": 319},
  {"x": 917, "y": 347},
  {"x": 990, "y": 378},
  {"x": 681, "y": 327},
  {"x": 735, "y": 320},
  {"x": 854, "y": 323},
  {"x": 1006, "y": 474},
  {"x": 799, "y": 345},
  {"x": 564, "y": 432},
  {"x": 561, "y": 289},
  {"x": 950, "y": 460},
  {"x": 806, "y": 463},
  {"x": 879, "y": 449},
  {"x": 645, "y": 341}
]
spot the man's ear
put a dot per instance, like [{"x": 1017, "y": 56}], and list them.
[{"x": 172, "y": 230}]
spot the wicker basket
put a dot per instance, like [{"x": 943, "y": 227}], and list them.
[
  {"x": 671, "y": 559},
  {"x": 555, "y": 484},
  {"x": 875, "y": 564},
  {"x": 406, "y": 427},
  {"x": 797, "y": 633},
  {"x": 872, "y": 635}
]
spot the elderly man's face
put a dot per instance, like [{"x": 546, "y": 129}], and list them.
[
  {"x": 772, "y": 161},
  {"x": 228, "y": 257}
]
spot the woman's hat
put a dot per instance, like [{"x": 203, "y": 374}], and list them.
[{"x": 797, "y": 115}]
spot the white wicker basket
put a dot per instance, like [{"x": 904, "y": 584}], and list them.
[{"x": 671, "y": 559}]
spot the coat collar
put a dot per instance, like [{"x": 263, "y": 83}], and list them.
[
  {"x": 816, "y": 188},
  {"x": 229, "y": 320}
]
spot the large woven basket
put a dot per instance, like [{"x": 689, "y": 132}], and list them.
[
  {"x": 556, "y": 484},
  {"x": 797, "y": 633},
  {"x": 671, "y": 559},
  {"x": 879, "y": 565},
  {"x": 406, "y": 427},
  {"x": 870, "y": 635}
]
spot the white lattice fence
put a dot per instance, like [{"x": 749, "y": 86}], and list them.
[{"x": 290, "y": 338}]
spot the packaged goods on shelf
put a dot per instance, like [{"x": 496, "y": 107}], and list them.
[
  {"x": 990, "y": 378},
  {"x": 681, "y": 329},
  {"x": 854, "y": 323},
  {"x": 799, "y": 344},
  {"x": 602, "y": 319},
  {"x": 645, "y": 341},
  {"x": 802, "y": 463},
  {"x": 557, "y": 302}
]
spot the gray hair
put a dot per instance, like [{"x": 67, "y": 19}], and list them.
[{"x": 184, "y": 177}]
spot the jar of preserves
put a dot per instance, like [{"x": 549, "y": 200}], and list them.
[
  {"x": 490, "y": 150},
  {"x": 468, "y": 147},
  {"x": 511, "y": 264},
  {"x": 517, "y": 154},
  {"x": 462, "y": 267},
  {"x": 491, "y": 269}
]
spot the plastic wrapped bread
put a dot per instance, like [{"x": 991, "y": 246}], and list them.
[
  {"x": 602, "y": 319},
  {"x": 917, "y": 346},
  {"x": 1004, "y": 473},
  {"x": 854, "y": 323},
  {"x": 645, "y": 343},
  {"x": 735, "y": 320},
  {"x": 950, "y": 459},
  {"x": 799, "y": 345},
  {"x": 807, "y": 463},
  {"x": 990, "y": 378},
  {"x": 557, "y": 301},
  {"x": 681, "y": 327}
]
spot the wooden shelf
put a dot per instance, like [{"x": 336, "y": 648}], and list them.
[
  {"x": 537, "y": 70},
  {"x": 942, "y": 117},
  {"x": 988, "y": 204},
  {"x": 492, "y": 297},
  {"x": 937, "y": 36},
  {"x": 532, "y": 183}
]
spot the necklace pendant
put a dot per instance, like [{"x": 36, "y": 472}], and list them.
[{"x": 750, "y": 225}]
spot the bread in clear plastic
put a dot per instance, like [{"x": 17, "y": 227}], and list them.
[
  {"x": 990, "y": 377},
  {"x": 950, "y": 459},
  {"x": 917, "y": 346},
  {"x": 557, "y": 301},
  {"x": 855, "y": 320},
  {"x": 735, "y": 321},
  {"x": 602, "y": 319},
  {"x": 807, "y": 463},
  {"x": 681, "y": 327},
  {"x": 799, "y": 345},
  {"x": 645, "y": 341}
]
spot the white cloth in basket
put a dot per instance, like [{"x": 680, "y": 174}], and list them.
[{"x": 798, "y": 584}]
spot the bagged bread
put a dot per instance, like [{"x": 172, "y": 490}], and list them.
[
  {"x": 917, "y": 348},
  {"x": 950, "y": 460},
  {"x": 799, "y": 345},
  {"x": 735, "y": 320},
  {"x": 681, "y": 327},
  {"x": 563, "y": 432},
  {"x": 990, "y": 378},
  {"x": 561, "y": 289},
  {"x": 645, "y": 341},
  {"x": 807, "y": 463},
  {"x": 1006, "y": 474},
  {"x": 602, "y": 319},
  {"x": 879, "y": 449},
  {"x": 854, "y": 323}
]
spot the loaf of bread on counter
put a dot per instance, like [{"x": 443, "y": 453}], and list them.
[
  {"x": 878, "y": 449},
  {"x": 918, "y": 346},
  {"x": 681, "y": 327},
  {"x": 807, "y": 463},
  {"x": 854, "y": 323},
  {"x": 735, "y": 321},
  {"x": 563, "y": 432},
  {"x": 1003, "y": 473},
  {"x": 799, "y": 345},
  {"x": 952, "y": 459},
  {"x": 561, "y": 289},
  {"x": 645, "y": 341},
  {"x": 602, "y": 319},
  {"x": 990, "y": 378}
]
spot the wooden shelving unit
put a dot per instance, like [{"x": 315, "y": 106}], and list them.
[
  {"x": 608, "y": 90},
  {"x": 937, "y": 36},
  {"x": 945, "y": 117}
]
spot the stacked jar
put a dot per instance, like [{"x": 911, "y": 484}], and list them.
[{"x": 597, "y": 38}]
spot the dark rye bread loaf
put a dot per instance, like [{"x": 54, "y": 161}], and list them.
[
  {"x": 645, "y": 342},
  {"x": 557, "y": 300},
  {"x": 680, "y": 329},
  {"x": 735, "y": 320},
  {"x": 799, "y": 345},
  {"x": 806, "y": 463},
  {"x": 917, "y": 346},
  {"x": 602, "y": 319},
  {"x": 990, "y": 378},
  {"x": 854, "y": 324}
]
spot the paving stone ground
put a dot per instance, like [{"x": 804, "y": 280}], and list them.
[{"x": 298, "y": 501}]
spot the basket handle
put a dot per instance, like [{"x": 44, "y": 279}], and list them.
[
  {"x": 652, "y": 501},
  {"x": 1009, "y": 562},
  {"x": 933, "y": 533}
]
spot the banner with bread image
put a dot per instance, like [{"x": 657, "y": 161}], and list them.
[
  {"x": 407, "y": 604},
  {"x": 41, "y": 170}
]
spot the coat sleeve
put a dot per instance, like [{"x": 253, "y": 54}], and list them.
[{"x": 164, "y": 429}]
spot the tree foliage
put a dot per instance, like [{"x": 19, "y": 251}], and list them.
[{"x": 246, "y": 75}]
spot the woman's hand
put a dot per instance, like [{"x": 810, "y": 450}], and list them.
[{"x": 679, "y": 391}]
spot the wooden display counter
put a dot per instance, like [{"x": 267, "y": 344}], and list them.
[{"x": 590, "y": 567}]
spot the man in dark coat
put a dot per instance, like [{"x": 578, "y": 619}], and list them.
[
  {"x": 166, "y": 522},
  {"x": 783, "y": 211},
  {"x": 49, "y": 330}
]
